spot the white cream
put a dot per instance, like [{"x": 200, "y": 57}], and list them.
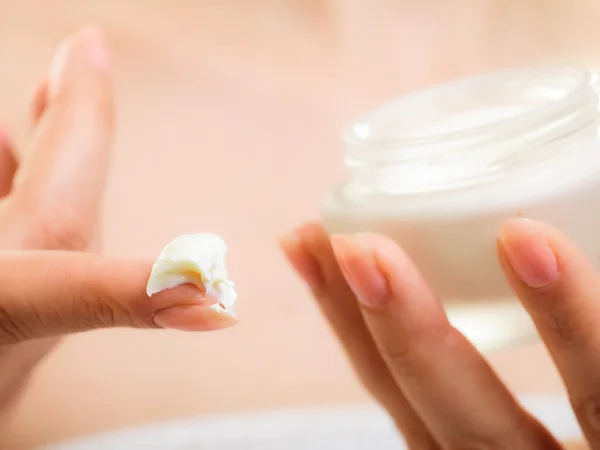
[{"x": 198, "y": 259}]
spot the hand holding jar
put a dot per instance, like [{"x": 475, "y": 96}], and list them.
[
  {"x": 443, "y": 243},
  {"x": 439, "y": 390}
]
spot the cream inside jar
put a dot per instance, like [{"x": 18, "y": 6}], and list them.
[{"x": 439, "y": 170}]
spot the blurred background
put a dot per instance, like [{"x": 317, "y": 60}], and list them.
[{"x": 229, "y": 113}]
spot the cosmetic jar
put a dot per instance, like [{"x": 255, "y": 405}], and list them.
[{"x": 439, "y": 170}]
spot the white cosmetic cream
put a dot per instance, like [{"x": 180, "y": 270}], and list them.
[
  {"x": 198, "y": 259},
  {"x": 439, "y": 171}
]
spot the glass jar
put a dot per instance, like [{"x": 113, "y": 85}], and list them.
[{"x": 439, "y": 170}]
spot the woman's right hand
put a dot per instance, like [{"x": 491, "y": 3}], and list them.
[{"x": 440, "y": 391}]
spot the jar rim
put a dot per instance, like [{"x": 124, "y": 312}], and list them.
[
  {"x": 582, "y": 81},
  {"x": 528, "y": 117}
]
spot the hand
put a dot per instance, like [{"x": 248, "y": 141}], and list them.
[
  {"x": 441, "y": 393},
  {"x": 49, "y": 209}
]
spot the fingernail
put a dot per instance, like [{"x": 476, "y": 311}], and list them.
[
  {"x": 359, "y": 266},
  {"x": 96, "y": 49},
  {"x": 193, "y": 318},
  {"x": 528, "y": 253},
  {"x": 303, "y": 262}
]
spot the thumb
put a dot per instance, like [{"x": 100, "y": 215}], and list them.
[{"x": 47, "y": 293}]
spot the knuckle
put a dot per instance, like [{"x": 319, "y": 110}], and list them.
[
  {"x": 412, "y": 358},
  {"x": 66, "y": 233},
  {"x": 567, "y": 328},
  {"x": 99, "y": 304},
  {"x": 91, "y": 312},
  {"x": 11, "y": 329},
  {"x": 407, "y": 360},
  {"x": 587, "y": 409},
  {"x": 51, "y": 228},
  {"x": 375, "y": 378},
  {"x": 45, "y": 225},
  {"x": 94, "y": 308}
]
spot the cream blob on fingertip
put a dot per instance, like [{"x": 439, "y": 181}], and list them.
[{"x": 198, "y": 259}]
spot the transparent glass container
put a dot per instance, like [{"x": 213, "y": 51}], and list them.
[{"x": 439, "y": 170}]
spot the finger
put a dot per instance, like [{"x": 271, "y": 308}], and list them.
[
  {"x": 59, "y": 186},
  {"x": 38, "y": 102},
  {"x": 561, "y": 290},
  {"x": 449, "y": 384},
  {"x": 46, "y": 293},
  {"x": 8, "y": 163},
  {"x": 309, "y": 251}
]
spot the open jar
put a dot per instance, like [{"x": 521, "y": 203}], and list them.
[{"x": 439, "y": 170}]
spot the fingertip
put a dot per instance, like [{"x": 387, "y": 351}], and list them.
[
  {"x": 340, "y": 243},
  {"x": 351, "y": 249},
  {"x": 77, "y": 54},
  {"x": 526, "y": 252},
  {"x": 302, "y": 261},
  {"x": 311, "y": 234},
  {"x": 288, "y": 243},
  {"x": 358, "y": 263},
  {"x": 95, "y": 48},
  {"x": 390, "y": 257},
  {"x": 342, "y": 249},
  {"x": 403, "y": 277},
  {"x": 380, "y": 243},
  {"x": 517, "y": 228}
]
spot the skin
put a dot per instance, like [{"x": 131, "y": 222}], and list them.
[
  {"x": 440, "y": 391},
  {"x": 53, "y": 283}
]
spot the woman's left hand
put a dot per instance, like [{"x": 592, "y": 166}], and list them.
[
  {"x": 50, "y": 202},
  {"x": 439, "y": 390}
]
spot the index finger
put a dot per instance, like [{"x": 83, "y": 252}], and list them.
[{"x": 46, "y": 293}]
